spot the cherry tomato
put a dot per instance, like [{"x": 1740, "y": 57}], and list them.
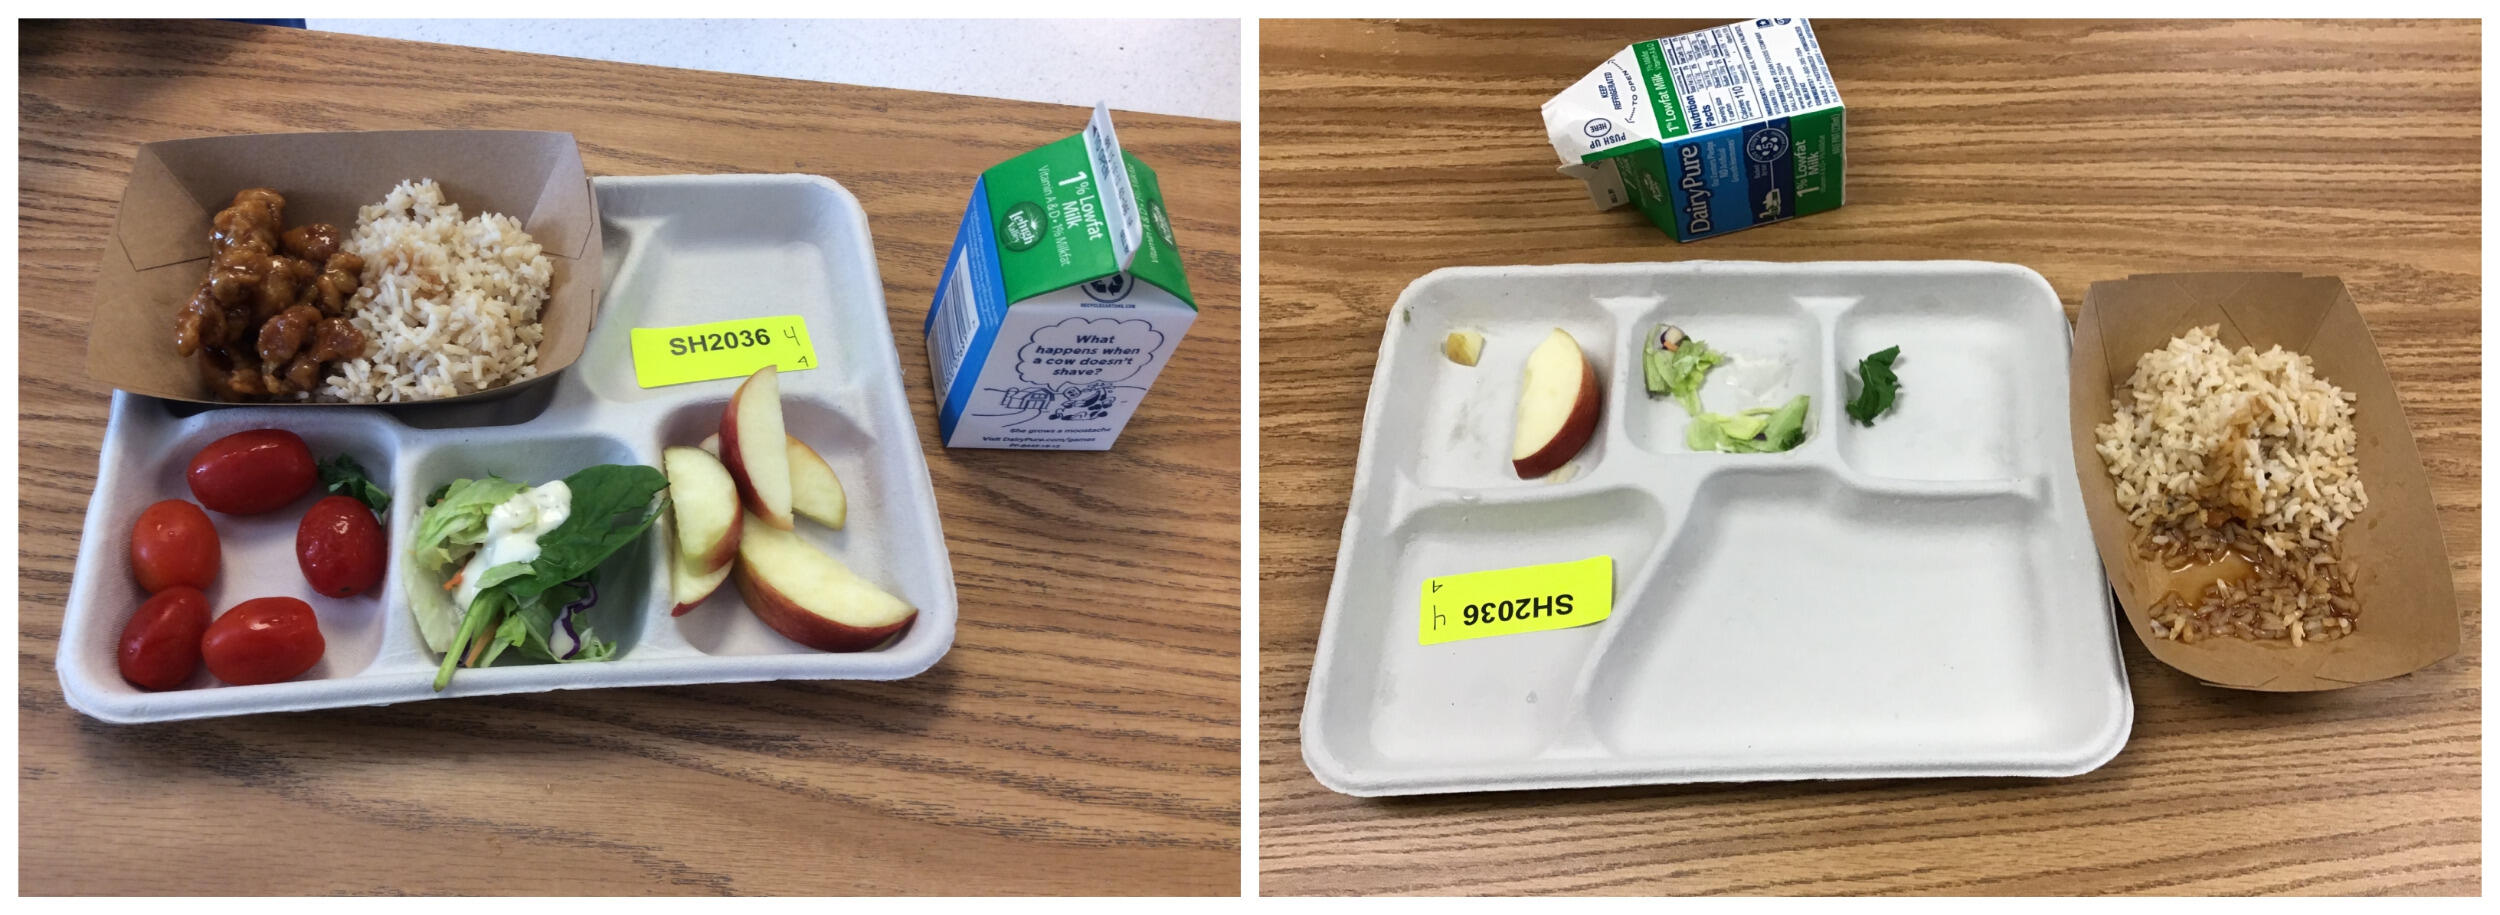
[
  {"x": 340, "y": 546},
  {"x": 161, "y": 643},
  {"x": 252, "y": 472},
  {"x": 263, "y": 640},
  {"x": 173, "y": 544}
]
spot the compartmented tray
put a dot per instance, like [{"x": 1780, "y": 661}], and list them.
[
  {"x": 1918, "y": 598},
  {"x": 679, "y": 250}
]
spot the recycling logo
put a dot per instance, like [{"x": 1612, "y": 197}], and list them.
[{"x": 1108, "y": 289}]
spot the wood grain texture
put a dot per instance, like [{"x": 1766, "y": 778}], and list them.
[
  {"x": 1082, "y": 737},
  {"x": 2084, "y": 150}
]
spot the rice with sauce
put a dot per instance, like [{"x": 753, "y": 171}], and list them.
[
  {"x": 2240, "y": 457},
  {"x": 449, "y": 306}
]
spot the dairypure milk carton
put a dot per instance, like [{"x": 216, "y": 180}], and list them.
[
  {"x": 1063, "y": 299},
  {"x": 1710, "y": 132}
]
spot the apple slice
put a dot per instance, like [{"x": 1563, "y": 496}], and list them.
[
  {"x": 751, "y": 440},
  {"x": 811, "y": 597},
  {"x": 815, "y": 493},
  {"x": 1557, "y": 406},
  {"x": 1464, "y": 347},
  {"x": 690, "y": 587},
  {"x": 703, "y": 500}
]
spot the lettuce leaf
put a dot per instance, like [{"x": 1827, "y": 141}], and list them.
[
  {"x": 1787, "y": 428},
  {"x": 1760, "y": 430},
  {"x": 1680, "y": 372},
  {"x": 438, "y": 620},
  {"x": 458, "y": 519}
]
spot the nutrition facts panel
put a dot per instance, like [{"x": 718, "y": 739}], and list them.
[{"x": 1733, "y": 74}]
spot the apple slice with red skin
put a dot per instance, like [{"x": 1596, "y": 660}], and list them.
[
  {"x": 751, "y": 445},
  {"x": 809, "y": 596},
  {"x": 1558, "y": 393},
  {"x": 815, "y": 493},
  {"x": 689, "y": 588},
  {"x": 703, "y": 501}
]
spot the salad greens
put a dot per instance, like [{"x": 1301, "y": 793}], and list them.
[
  {"x": 344, "y": 476},
  {"x": 1676, "y": 364},
  {"x": 532, "y": 606},
  {"x": 1761, "y": 430},
  {"x": 1876, "y": 386},
  {"x": 1673, "y": 363},
  {"x": 456, "y": 517}
]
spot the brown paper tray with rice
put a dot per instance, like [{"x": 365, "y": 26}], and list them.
[
  {"x": 2391, "y": 550},
  {"x": 161, "y": 246}
]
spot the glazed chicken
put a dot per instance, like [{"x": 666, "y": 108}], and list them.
[{"x": 272, "y": 311}]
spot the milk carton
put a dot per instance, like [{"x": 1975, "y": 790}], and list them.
[
  {"x": 1707, "y": 133},
  {"x": 1061, "y": 302}
]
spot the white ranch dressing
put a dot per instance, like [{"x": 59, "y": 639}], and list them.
[{"x": 512, "y": 532}]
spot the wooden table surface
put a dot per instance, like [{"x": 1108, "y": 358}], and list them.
[
  {"x": 1082, "y": 736},
  {"x": 2083, "y": 150}
]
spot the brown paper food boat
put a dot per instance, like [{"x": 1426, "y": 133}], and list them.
[
  {"x": 160, "y": 242},
  {"x": 2408, "y": 617}
]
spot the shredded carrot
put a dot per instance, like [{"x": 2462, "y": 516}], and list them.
[
  {"x": 454, "y": 583},
  {"x": 477, "y": 648}
]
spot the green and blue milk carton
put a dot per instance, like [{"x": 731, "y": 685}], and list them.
[
  {"x": 1709, "y": 132},
  {"x": 1061, "y": 302}
]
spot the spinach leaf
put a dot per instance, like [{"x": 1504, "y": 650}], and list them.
[
  {"x": 612, "y": 505},
  {"x": 531, "y": 627},
  {"x": 1876, "y": 386}
]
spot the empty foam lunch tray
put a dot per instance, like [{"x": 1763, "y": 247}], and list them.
[
  {"x": 679, "y": 250},
  {"x": 1916, "y": 598}
]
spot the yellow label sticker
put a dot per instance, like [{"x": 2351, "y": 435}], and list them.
[
  {"x": 722, "y": 349},
  {"x": 1510, "y": 601}
]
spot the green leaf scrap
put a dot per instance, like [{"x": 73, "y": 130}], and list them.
[
  {"x": 1876, "y": 386},
  {"x": 344, "y": 476}
]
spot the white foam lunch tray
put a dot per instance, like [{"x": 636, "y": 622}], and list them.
[
  {"x": 1919, "y": 598},
  {"x": 680, "y": 250}
]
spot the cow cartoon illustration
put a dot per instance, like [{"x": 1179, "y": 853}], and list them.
[{"x": 1085, "y": 402}]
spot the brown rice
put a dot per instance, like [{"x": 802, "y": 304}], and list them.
[
  {"x": 2217, "y": 453},
  {"x": 450, "y": 305}
]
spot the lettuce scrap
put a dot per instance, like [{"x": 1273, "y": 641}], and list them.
[
  {"x": 1877, "y": 386},
  {"x": 1761, "y": 430},
  {"x": 1680, "y": 372},
  {"x": 457, "y": 519}
]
